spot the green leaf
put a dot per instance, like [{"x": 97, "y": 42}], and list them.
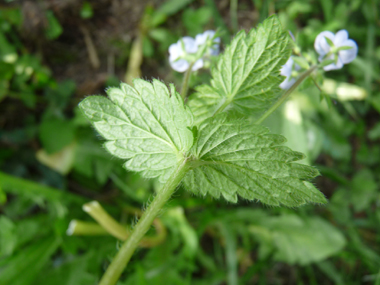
[
  {"x": 327, "y": 62},
  {"x": 247, "y": 75},
  {"x": 86, "y": 12},
  {"x": 344, "y": 47},
  {"x": 238, "y": 158},
  {"x": 329, "y": 42},
  {"x": 55, "y": 134},
  {"x": 374, "y": 133},
  {"x": 302, "y": 240},
  {"x": 302, "y": 62},
  {"x": 364, "y": 190},
  {"x": 29, "y": 262},
  {"x": 171, "y": 7},
  {"x": 75, "y": 270},
  {"x": 8, "y": 239},
  {"x": 194, "y": 20},
  {"x": 54, "y": 28},
  {"x": 147, "y": 124},
  {"x": 3, "y": 196}
]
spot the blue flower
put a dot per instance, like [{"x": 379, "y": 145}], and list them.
[
  {"x": 337, "y": 51},
  {"x": 181, "y": 51},
  {"x": 202, "y": 39},
  {"x": 287, "y": 70}
]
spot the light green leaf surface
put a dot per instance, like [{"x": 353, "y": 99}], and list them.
[
  {"x": 247, "y": 76},
  {"x": 300, "y": 240},
  {"x": 238, "y": 158},
  {"x": 148, "y": 125}
]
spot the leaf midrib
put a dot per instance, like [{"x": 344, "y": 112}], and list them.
[
  {"x": 237, "y": 88},
  {"x": 171, "y": 143}
]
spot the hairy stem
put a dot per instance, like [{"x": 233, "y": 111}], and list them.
[
  {"x": 185, "y": 82},
  {"x": 286, "y": 94},
  {"x": 122, "y": 258}
]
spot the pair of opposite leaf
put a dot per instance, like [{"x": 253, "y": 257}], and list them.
[{"x": 150, "y": 127}]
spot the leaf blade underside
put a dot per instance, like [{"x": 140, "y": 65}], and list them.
[
  {"x": 247, "y": 76},
  {"x": 234, "y": 158},
  {"x": 146, "y": 124}
]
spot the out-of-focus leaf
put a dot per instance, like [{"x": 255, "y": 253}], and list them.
[
  {"x": 301, "y": 61},
  {"x": 374, "y": 133},
  {"x": 7, "y": 51},
  {"x": 303, "y": 240},
  {"x": 55, "y": 134},
  {"x": 15, "y": 234},
  {"x": 8, "y": 237},
  {"x": 340, "y": 205},
  {"x": 194, "y": 20},
  {"x": 88, "y": 151},
  {"x": 364, "y": 189},
  {"x": 59, "y": 94},
  {"x": 86, "y": 12},
  {"x": 331, "y": 271},
  {"x": 296, "y": 8},
  {"x": 103, "y": 167},
  {"x": 54, "y": 28},
  {"x": 3, "y": 196},
  {"x": 70, "y": 272},
  {"x": 4, "y": 85},
  {"x": 33, "y": 190},
  {"x": 147, "y": 47},
  {"x": 293, "y": 129},
  {"x": 344, "y": 91},
  {"x": 61, "y": 161},
  {"x": 23, "y": 267},
  {"x": 231, "y": 258},
  {"x": 188, "y": 234},
  {"x": 164, "y": 36},
  {"x": 171, "y": 7},
  {"x": 160, "y": 34}
]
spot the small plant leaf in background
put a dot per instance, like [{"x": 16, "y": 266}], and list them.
[
  {"x": 235, "y": 157},
  {"x": 147, "y": 124},
  {"x": 194, "y": 20},
  {"x": 301, "y": 240},
  {"x": 55, "y": 134},
  {"x": 54, "y": 28},
  {"x": 61, "y": 161},
  {"x": 29, "y": 261},
  {"x": 8, "y": 238},
  {"x": 86, "y": 12},
  {"x": 364, "y": 189},
  {"x": 170, "y": 7},
  {"x": 247, "y": 75}
]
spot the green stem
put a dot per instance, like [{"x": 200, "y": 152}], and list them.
[
  {"x": 316, "y": 84},
  {"x": 95, "y": 210},
  {"x": 122, "y": 258},
  {"x": 185, "y": 83},
  {"x": 233, "y": 15},
  {"x": 19, "y": 186},
  {"x": 286, "y": 94},
  {"x": 77, "y": 227}
]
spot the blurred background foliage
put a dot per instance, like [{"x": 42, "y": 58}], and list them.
[{"x": 54, "y": 53}]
